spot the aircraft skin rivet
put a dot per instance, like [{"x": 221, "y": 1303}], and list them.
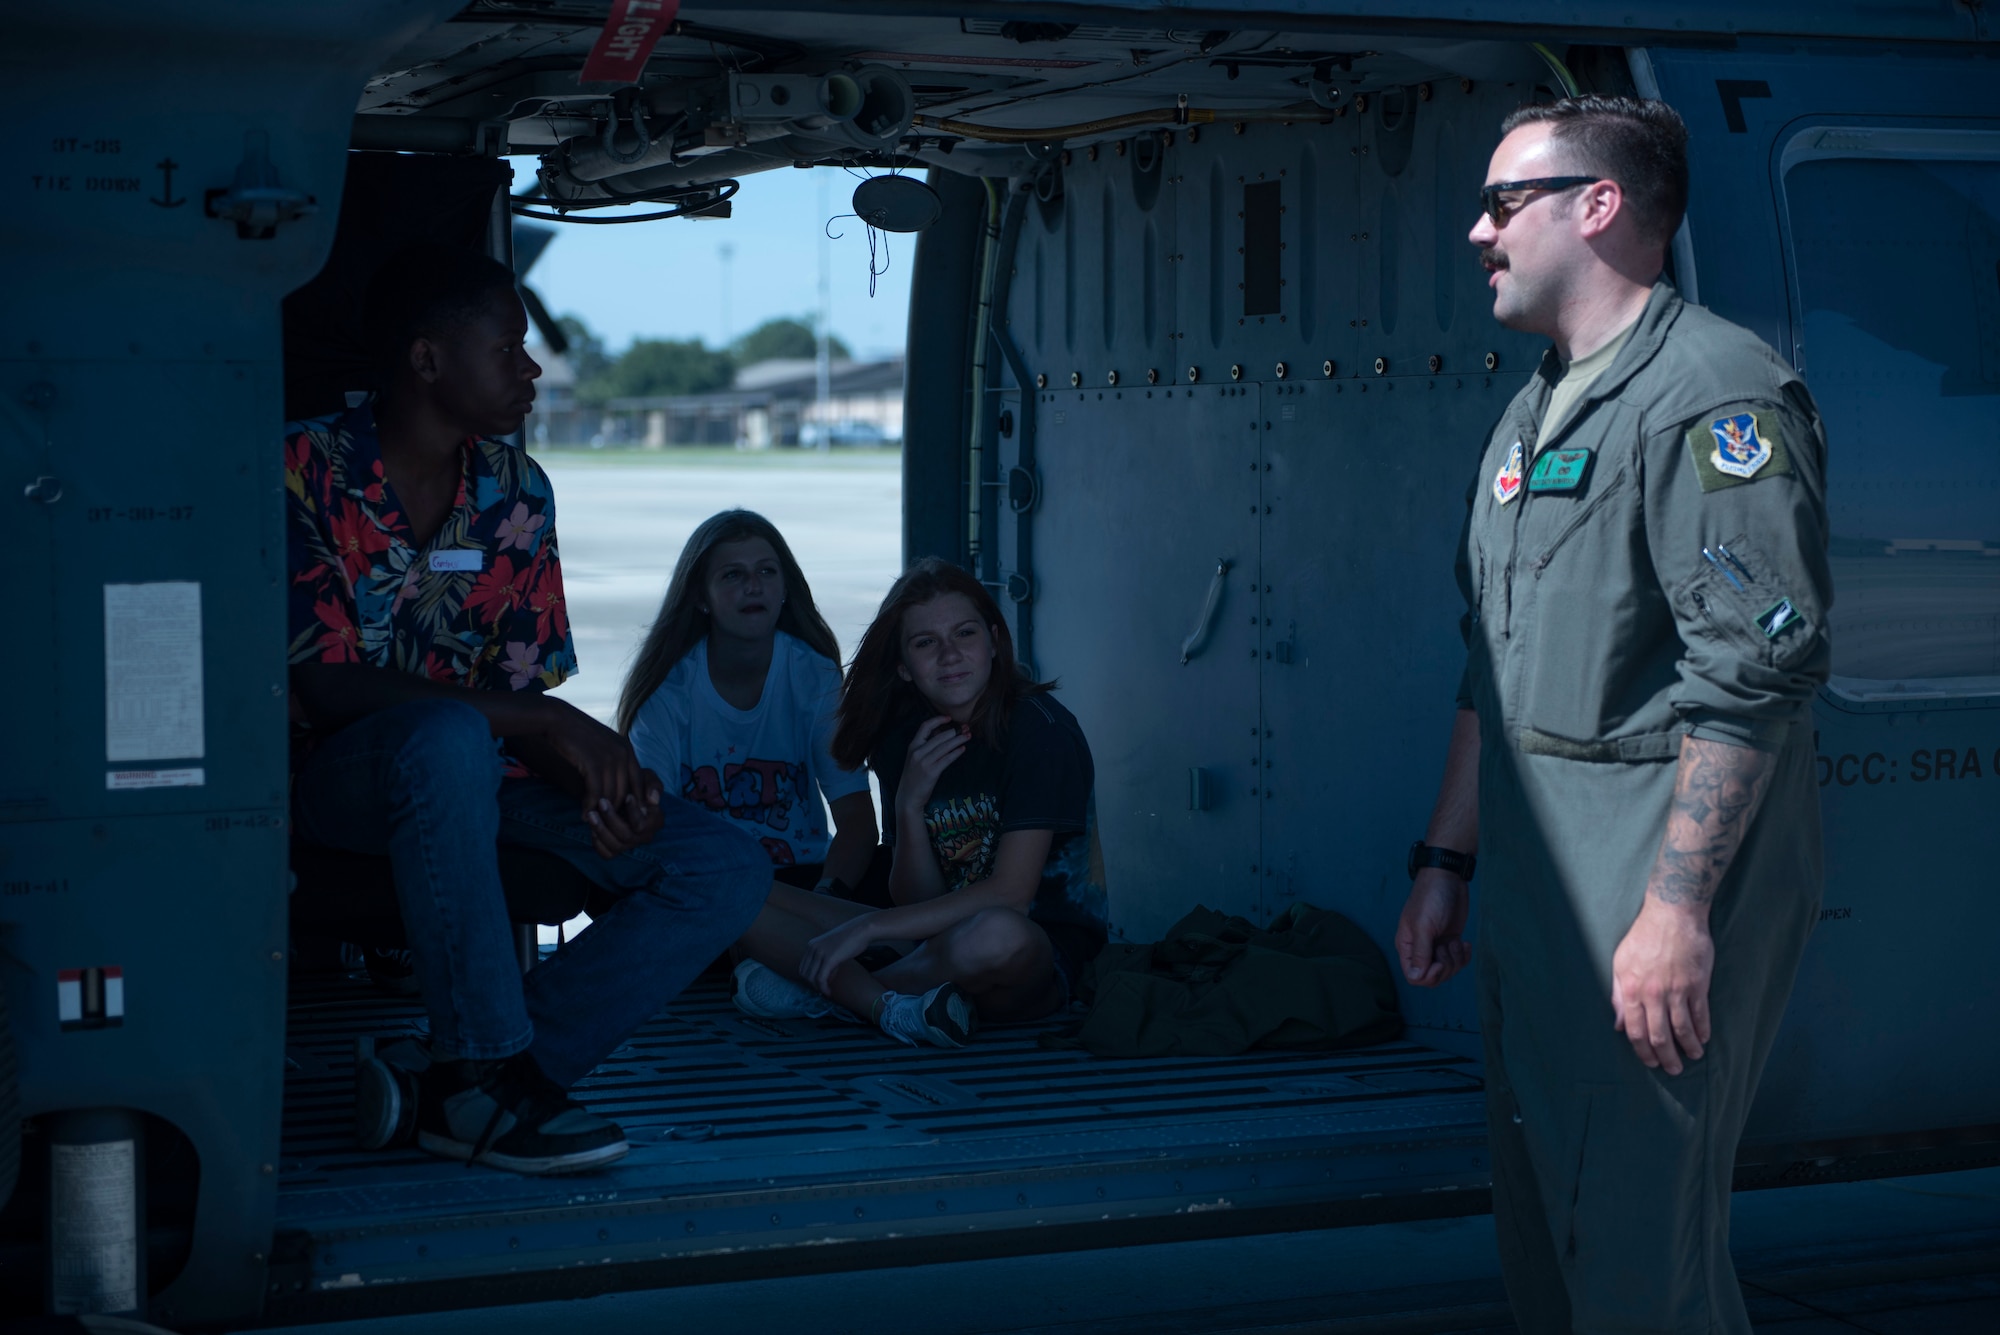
[
  {"x": 1042, "y": 381},
  {"x": 1235, "y": 371},
  {"x": 1152, "y": 376},
  {"x": 1281, "y": 370},
  {"x": 1194, "y": 374},
  {"x": 1381, "y": 366},
  {"x": 1110, "y": 377},
  {"x": 1492, "y": 361},
  {"x": 1436, "y": 363},
  {"x": 1326, "y": 368},
  {"x": 1075, "y": 379}
]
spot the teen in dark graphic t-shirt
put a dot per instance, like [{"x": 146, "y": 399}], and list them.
[
  {"x": 1040, "y": 780},
  {"x": 986, "y": 788}
]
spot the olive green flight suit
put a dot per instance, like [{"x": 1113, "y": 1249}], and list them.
[{"x": 1598, "y": 635}]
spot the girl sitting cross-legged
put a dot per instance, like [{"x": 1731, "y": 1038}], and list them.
[{"x": 986, "y": 805}]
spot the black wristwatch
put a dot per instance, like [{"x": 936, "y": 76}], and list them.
[{"x": 1424, "y": 855}]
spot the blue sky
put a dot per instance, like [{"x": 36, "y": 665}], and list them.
[{"x": 665, "y": 279}]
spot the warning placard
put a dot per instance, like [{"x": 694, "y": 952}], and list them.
[
  {"x": 631, "y": 30},
  {"x": 152, "y": 672}
]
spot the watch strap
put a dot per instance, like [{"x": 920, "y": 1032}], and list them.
[{"x": 1424, "y": 855}]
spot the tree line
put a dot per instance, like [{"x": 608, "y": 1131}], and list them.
[{"x": 661, "y": 366}]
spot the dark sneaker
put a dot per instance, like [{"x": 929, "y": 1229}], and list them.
[
  {"x": 385, "y": 1091},
  {"x": 507, "y": 1114},
  {"x": 394, "y": 971},
  {"x": 943, "y": 1017}
]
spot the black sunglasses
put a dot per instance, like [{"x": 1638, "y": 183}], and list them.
[{"x": 1489, "y": 195}]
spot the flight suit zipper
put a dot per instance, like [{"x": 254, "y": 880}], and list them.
[
  {"x": 1569, "y": 530},
  {"x": 1528, "y": 452}
]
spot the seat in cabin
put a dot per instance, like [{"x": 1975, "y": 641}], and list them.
[{"x": 352, "y": 896}]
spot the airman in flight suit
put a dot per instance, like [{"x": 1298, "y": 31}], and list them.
[{"x": 1645, "y": 573}]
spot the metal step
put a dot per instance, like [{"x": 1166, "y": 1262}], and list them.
[{"x": 766, "y": 1146}]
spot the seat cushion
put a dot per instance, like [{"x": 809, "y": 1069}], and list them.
[{"x": 352, "y": 896}]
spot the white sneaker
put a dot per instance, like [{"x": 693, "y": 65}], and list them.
[
  {"x": 943, "y": 1017},
  {"x": 770, "y": 995}
]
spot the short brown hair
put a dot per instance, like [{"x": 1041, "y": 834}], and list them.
[
  {"x": 876, "y": 699},
  {"x": 1638, "y": 142}
]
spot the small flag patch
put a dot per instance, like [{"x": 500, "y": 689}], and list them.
[{"x": 1777, "y": 617}]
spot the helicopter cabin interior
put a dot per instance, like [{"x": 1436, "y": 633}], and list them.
[{"x": 1199, "y": 363}]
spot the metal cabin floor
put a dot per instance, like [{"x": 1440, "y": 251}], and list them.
[{"x": 758, "y": 1143}]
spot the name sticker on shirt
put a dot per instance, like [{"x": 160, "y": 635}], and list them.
[
  {"x": 459, "y": 558},
  {"x": 1559, "y": 470}
]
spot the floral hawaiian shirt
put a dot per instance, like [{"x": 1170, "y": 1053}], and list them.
[{"x": 480, "y": 606}]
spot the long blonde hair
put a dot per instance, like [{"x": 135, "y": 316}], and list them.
[{"x": 682, "y": 624}]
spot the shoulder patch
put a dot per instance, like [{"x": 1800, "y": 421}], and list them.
[
  {"x": 1738, "y": 448},
  {"x": 1507, "y": 482}
]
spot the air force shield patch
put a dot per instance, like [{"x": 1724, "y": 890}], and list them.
[
  {"x": 1507, "y": 482},
  {"x": 1739, "y": 450}
]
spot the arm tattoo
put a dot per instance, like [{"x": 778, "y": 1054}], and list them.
[{"x": 1716, "y": 792}]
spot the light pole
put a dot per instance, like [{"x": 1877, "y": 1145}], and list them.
[
  {"x": 725, "y": 253},
  {"x": 823, "y": 347}
]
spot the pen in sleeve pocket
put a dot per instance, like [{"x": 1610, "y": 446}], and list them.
[
  {"x": 1727, "y": 573},
  {"x": 1730, "y": 557}
]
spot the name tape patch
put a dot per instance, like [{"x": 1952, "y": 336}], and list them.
[
  {"x": 1560, "y": 470},
  {"x": 459, "y": 558}
]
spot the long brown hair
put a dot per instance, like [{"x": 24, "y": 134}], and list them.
[
  {"x": 875, "y": 697},
  {"x": 682, "y": 624}
]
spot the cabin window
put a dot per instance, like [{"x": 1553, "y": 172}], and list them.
[{"x": 1897, "y": 266}]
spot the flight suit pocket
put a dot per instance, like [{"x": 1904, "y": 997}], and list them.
[
  {"x": 1579, "y": 607},
  {"x": 1644, "y": 1218},
  {"x": 1586, "y": 507},
  {"x": 1734, "y": 595}
]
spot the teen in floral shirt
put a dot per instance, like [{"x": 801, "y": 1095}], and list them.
[
  {"x": 427, "y": 624},
  {"x": 480, "y": 605}
]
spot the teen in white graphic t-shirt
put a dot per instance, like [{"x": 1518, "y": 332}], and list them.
[{"x": 732, "y": 703}]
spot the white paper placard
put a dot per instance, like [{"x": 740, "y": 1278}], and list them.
[
  {"x": 152, "y": 671},
  {"x": 95, "y": 1237}
]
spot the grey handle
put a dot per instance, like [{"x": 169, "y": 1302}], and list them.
[{"x": 1210, "y": 605}]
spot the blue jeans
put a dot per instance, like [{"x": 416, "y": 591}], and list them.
[{"x": 422, "y": 782}]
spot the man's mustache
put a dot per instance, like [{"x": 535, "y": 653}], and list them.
[{"x": 1492, "y": 258}]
